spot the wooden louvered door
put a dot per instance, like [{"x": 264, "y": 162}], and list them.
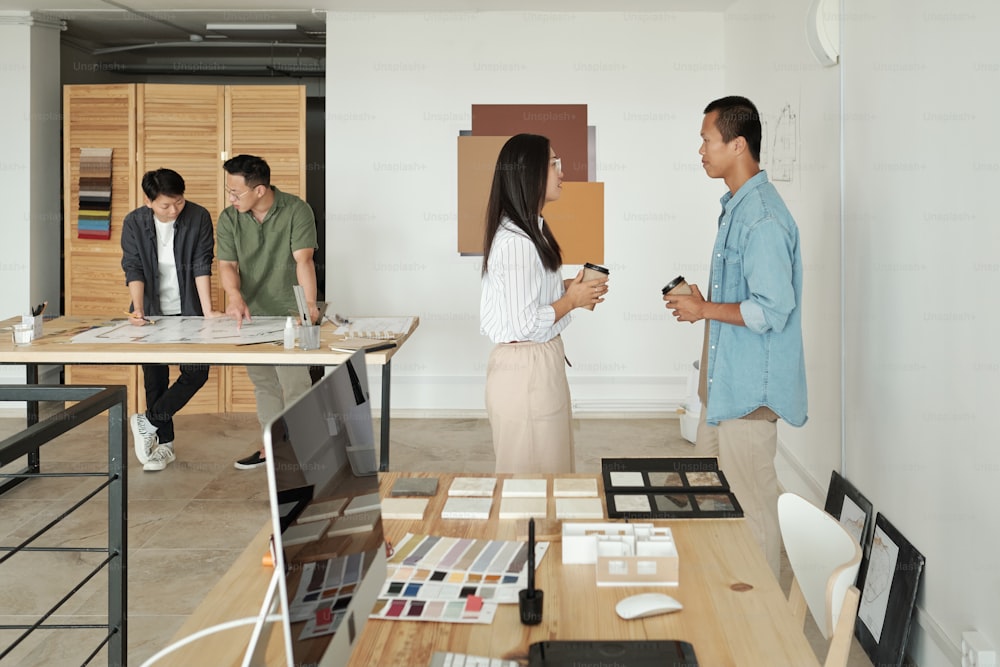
[
  {"x": 98, "y": 116},
  {"x": 181, "y": 127}
]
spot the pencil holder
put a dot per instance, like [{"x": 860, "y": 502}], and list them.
[
  {"x": 309, "y": 337},
  {"x": 36, "y": 324}
]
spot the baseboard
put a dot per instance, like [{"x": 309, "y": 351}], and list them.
[{"x": 405, "y": 413}]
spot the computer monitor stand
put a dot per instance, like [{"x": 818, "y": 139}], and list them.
[{"x": 255, "y": 655}]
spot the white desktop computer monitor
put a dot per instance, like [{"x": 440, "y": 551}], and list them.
[{"x": 330, "y": 554}]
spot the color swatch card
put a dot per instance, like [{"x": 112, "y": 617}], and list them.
[
  {"x": 468, "y": 610},
  {"x": 467, "y": 508},
  {"x": 327, "y": 509},
  {"x": 524, "y": 508},
  {"x": 525, "y": 488},
  {"x": 574, "y": 487},
  {"x": 479, "y": 487},
  {"x": 579, "y": 508},
  {"x": 366, "y": 503},
  {"x": 404, "y": 508},
  {"x": 414, "y": 486},
  {"x": 452, "y": 568}
]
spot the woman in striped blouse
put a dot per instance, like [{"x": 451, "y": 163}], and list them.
[{"x": 525, "y": 305}]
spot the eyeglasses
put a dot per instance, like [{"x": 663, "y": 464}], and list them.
[
  {"x": 557, "y": 163},
  {"x": 232, "y": 194}
]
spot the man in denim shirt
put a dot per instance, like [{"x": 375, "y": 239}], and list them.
[{"x": 753, "y": 366}]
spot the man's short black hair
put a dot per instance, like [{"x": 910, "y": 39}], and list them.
[
  {"x": 252, "y": 168},
  {"x": 738, "y": 117},
  {"x": 162, "y": 182}
]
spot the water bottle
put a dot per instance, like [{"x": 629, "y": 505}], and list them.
[{"x": 289, "y": 334}]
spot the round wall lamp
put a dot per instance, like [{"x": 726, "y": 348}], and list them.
[{"x": 823, "y": 31}]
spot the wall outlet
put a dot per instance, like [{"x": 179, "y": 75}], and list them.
[{"x": 977, "y": 651}]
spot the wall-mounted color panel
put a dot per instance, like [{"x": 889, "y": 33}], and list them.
[
  {"x": 577, "y": 221},
  {"x": 477, "y": 159},
  {"x": 564, "y": 124}
]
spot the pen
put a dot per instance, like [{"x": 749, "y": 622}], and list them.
[
  {"x": 39, "y": 309},
  {"x": 530, "y": 599},
  {"x": 144, "y": 319}
]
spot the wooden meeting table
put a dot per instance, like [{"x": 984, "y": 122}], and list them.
[
  {"x": 55, "y": 347},
  {"x": 734, "y": 615}
]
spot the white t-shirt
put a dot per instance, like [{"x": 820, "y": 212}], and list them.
[{"x": 170, "y": 290}]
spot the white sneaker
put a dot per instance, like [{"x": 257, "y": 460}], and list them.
[
  {"x": 159, "y": 458},
  {"x": 143, "y": 437}
]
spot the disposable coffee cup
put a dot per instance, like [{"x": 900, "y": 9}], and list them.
[
  {"x": 677, "y": 286},
  {"x": 594, "y": 272}
]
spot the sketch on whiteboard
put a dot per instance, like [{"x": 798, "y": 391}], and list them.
[{"x": 780, "y": 144}]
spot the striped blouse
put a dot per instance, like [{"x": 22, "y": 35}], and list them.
[{"x": 518, "y": 291}]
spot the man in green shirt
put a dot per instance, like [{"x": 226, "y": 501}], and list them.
[{"x": 266, "y": 239}]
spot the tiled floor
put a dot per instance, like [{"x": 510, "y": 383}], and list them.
[{"x": 188, "y": 523}]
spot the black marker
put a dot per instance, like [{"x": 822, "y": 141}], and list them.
[{"x": 530, "y": 598}]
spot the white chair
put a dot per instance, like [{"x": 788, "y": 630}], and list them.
[{"x": 825, "y": 561}]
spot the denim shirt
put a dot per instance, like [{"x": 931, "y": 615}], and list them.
[{"x": 757, "y": 263}]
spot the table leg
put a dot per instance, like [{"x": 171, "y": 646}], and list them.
[
  {"x": 384, "y": 419},
  {"x": 31, "y": 413}
]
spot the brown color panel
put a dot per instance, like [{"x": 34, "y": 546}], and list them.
[
  {"x": 477, "y": 159},
  {"x": 564, "y": 124},
  {"x": 577, "y": 221}
]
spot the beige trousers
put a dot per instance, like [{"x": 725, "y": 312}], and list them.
[
  {"x": 276, "y": 387},
  {"x": 528, "y": 403},
  {"x": 746, "y": 449}
]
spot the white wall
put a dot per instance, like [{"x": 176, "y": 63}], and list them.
[
  {"x": 29, "y": 169},
  {"x": 921, "y": 82},
  {"x": 400, "y": 88},
  {"x": 768, "y": 60}
]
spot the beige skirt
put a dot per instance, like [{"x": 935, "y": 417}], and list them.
[{"x": 528, "y": 403}]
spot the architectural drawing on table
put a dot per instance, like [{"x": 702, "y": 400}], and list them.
[
  {"x": 878, "y": 583},
  {"x": 780, "y": 144}
]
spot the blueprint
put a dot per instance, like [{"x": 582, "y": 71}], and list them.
[{"x": 180, "y": 329}]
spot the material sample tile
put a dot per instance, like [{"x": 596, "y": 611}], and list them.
[
  {"x": 404, "y": 508},
  {"x": 525, "y": 488},
  {"x": 478, "y": 487},
  {"x": 579, "y": 508},
  {"x": 573, "y": 487},
  {"x": 467, "y": 508},
  {"x": 523, "y": 508},
  {"x": 414, "y": 486}
]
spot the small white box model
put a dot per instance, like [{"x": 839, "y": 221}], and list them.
[{"x": 625, "y": 554}]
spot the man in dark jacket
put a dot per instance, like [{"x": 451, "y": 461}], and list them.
[{"x": 167, "y": 251}]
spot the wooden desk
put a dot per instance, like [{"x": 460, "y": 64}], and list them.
[
  {"x": 734, "y": 613},
  {"x": 55, "y": 348}
]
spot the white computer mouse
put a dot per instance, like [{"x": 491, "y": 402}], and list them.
[{"x": 646, "y": 604}]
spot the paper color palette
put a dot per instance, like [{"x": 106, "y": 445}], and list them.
[
  {"x": 468, "y": 610},
  {"x": 451, "y": 568}
]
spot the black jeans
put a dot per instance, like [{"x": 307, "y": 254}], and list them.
[{"x": 163, "y": 402}]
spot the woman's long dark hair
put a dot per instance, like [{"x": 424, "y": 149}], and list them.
[{"x": 518, "y": 192}]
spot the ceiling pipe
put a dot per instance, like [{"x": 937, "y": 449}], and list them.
[{"x": 210, "y": 44}]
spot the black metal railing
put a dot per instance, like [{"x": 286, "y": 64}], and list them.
[{"x": 91, "y": 402}]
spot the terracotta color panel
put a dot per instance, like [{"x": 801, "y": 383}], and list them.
[
  {"x": 577, "y": 221},
  {"x": 564, "y": 124},
  {"x": 477, "y": 159}
]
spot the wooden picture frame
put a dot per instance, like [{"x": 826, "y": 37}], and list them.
[
  {"x": 889, "y": 578},
  {"x": 849, "y": 506}
]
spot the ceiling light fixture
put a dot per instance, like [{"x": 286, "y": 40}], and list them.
[{"x": 271, "y": 27}]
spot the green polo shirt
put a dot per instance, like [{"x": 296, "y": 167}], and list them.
[{"x": 264, "y": 251}]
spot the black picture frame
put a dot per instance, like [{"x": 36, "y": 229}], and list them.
[
  {"x": 840, "y": 489},
  {"x": 889, "y": 578},
  {"x": 685, "y": 487}
]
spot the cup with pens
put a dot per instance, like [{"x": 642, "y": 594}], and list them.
[{"x": 34, "y": 320}]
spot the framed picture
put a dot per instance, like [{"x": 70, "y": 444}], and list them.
[
  {"x": 889, "y": 576},
  {"x": 849, "y": 506},
  {"x": 684, "y": 487}
]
